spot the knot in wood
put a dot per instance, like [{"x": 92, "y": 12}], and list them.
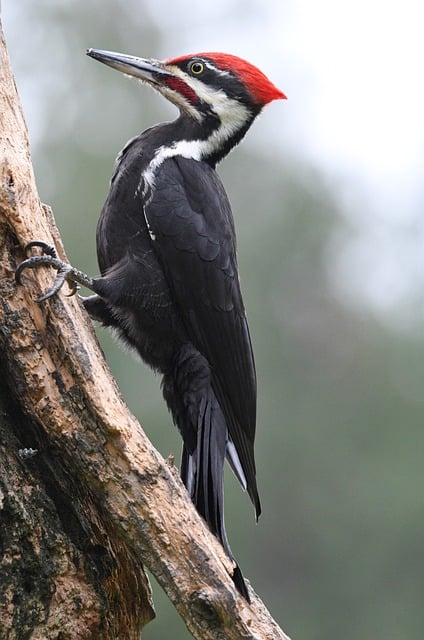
[{"x": 203, "y": 603}]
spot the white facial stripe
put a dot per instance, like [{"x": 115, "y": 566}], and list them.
[
  {"x": 232, "y": 113},
  {"x": 216, "y": 98}
]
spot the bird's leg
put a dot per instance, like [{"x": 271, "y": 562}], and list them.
[{"x": 65, "y": 272}]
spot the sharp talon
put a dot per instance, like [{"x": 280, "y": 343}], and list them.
[
  {"x": 65, "y": 272},
  {"x": 48, "y": 249},
  {"x": 35, "y": 261},
  {"x": 18, "y": 272},
  {"x": 48, "y": 258},
  {"x": 74, "y": 288}
]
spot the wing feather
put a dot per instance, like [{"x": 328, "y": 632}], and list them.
[{"x": 195, "y": 241}]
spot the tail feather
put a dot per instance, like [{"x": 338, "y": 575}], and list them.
[
  {"x": 240, "y": 583},
  {"x": 209, "y": 458},
  {"x": 202, "y": 472},
  {"x": 234, "y": 462},
  {"x": 202, "y": 423}
]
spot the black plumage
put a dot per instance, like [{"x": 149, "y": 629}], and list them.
[{"x": 176, "y": 300}]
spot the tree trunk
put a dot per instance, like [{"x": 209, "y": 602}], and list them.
[{"x": 85, "y": 500}]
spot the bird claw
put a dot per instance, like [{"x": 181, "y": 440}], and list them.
[
  {"x": 48, "y": 249},
  {"x": 65, "y": 272}
]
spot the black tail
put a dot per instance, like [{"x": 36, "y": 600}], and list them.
[
  {"x": 202, "y": 472},
  {"x": 200, "y": 419}
]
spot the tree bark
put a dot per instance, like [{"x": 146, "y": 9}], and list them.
[{"x": 80, "y": 518}]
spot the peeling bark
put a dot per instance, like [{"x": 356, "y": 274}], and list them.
[{"x": 79, "y": 519}]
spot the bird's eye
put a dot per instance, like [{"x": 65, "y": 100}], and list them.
[{"x": 197, "y": 68}]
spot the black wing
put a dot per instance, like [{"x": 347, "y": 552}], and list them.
[{"x": 191, "y": 224}]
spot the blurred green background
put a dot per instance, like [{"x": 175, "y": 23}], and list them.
[{"x": 338, "y": 337}]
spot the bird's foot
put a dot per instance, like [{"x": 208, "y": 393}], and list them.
[{"x": 65, "y": 272}]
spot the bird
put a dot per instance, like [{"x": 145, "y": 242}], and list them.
[{"x": 169, "y": 284}]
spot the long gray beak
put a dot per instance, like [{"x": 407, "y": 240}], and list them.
[{"x": 141, "y": 68}]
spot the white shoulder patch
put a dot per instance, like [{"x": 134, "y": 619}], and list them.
[{"x": 186, "y": 148}]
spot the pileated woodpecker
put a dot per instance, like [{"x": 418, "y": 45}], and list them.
[{"x": 169, "y": 284}]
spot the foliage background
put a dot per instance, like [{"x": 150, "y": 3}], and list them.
[{"x": 332, "y": 274}]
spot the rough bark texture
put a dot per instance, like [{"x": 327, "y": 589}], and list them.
[{"x": 80, "y": 518}]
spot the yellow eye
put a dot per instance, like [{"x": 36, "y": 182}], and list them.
[{"x": 197, "y": 68}]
